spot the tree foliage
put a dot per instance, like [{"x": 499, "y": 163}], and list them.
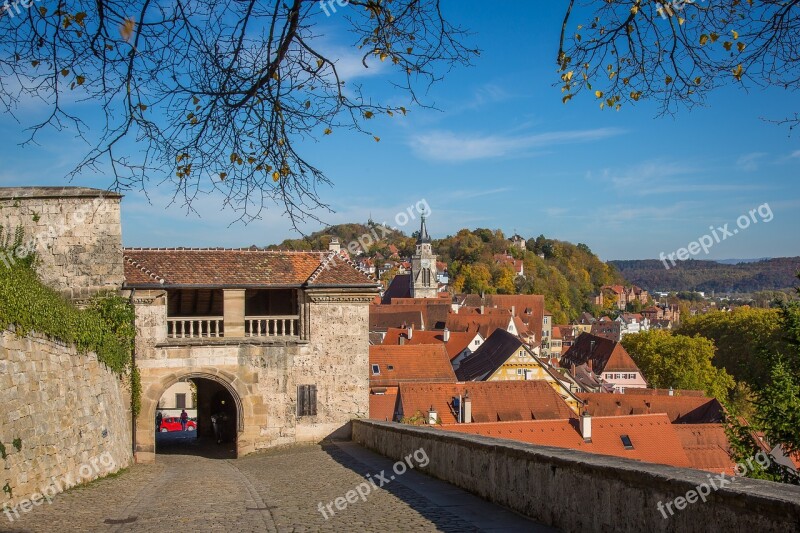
[
  {"x": 746, "y": 339},
  {"x": 218, "y": 95},
  {"x": 676, "y": 52},
  {"x": 678, "y": 361}
]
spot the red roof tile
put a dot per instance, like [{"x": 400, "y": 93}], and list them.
[
  {"x": 707, "y": 447},
  {"x": 605, "y": 355},
  {"x": 382, "y": 406},
  {"x": 653, "y": 437},
  {"x": 491, "y": 400},
  {"x": 458, "y": 340},
  {"x": 679, "y": 409},
  {"x": 219, "y": 267},
  {"x": 402, "y": 364}
]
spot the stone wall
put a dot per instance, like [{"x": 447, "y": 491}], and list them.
[
  {"x": 577, "y": 491},
  {"x": 70, "y": 413},
  {"x": 75, "y": 231},
  {"x": 263, "y": 374}
]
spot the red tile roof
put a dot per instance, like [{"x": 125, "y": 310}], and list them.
[
  {"x": 679, "y": 409},
  {"x": 707, "y": 447},
  {"x": 416, "y": 363},
  {"x": 382, "y": 406},
  {"x": 458, "y": 340},
  {"x": 483, "y": 324},
  {"x": 383, "y": 317},
  {"x": 653, "y": 437},
  {"x": 434, "y": 310},
  {"x": 220, "y": 267},
  {"x": 491, "y": 400},
  {"x": 605, "y": 355}
]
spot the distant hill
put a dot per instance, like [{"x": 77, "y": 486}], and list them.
[
  {"x": 693, "y": 275},
  {"x": 483, "y": 261}
]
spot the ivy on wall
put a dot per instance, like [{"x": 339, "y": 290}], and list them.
[{"x": 105, "y": 327}]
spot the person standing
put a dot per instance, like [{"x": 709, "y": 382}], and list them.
[
  {"x": 184, "y": 419},
  {"x": 159, "y": 418}
]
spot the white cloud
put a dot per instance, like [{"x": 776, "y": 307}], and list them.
[
  {"x": 795, "y": 154},
  {"x": 749, "y": 162},
  {"x": 453, "y": 147}
]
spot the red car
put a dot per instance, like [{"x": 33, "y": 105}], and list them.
[{"x": 173, "y": 423}]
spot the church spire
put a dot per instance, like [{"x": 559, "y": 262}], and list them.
[{"x": 423, "y": 232}]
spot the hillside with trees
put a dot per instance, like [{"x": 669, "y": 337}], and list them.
[
  {"x": 566, "y": 274},
  {"x": 707, "y": 276}
]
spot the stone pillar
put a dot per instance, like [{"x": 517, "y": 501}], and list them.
[{"x": 234, "y": 312}]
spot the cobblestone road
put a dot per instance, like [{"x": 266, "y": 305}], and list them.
[{"x": 276, "y": 491}]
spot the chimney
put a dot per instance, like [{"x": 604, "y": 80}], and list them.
[
  {"x": 586, "y": 426},
  {"x": 433, "y": 416},
  {"x": 446, "y": 335},
  {"x": 467, "y": 408},
  {"x": 410, "y": 331},
  {"x": 513, "y": 310},
  {"x": 334, "y": 245},
  {"x": 402, "y": 340},
  {"x": 481, "y": 307},
  {"x": 671, "y": 392}
]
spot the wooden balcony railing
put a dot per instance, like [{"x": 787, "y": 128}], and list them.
[
  {"x": 272, "y": 326},
  {"x": 195, "y": 327}
]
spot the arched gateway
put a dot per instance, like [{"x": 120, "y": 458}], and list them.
[{"x": 284, "y": 334}]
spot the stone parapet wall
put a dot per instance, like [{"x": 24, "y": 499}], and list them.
[
  {"x": 577, "y": 491},
  {"x": 76, "y": 234},
  {"x": 70, "y": 413}
]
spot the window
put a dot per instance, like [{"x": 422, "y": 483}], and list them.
[
  {"x": 626, "y": 442},
  {"x": 477, "y": 342},
  {"x": 376, "y": 369},
  {"x": 306, "y": 400},
  {"x": 389, "y": 367},
  {"x": 180, "y": 401},
  {"x": 519, "y": 371},
  {"x": 545, "y": 319}
]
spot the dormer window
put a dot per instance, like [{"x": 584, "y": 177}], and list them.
[{"x": 376, "y": 370}]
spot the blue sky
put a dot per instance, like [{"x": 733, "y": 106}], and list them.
[{"x": 502, "y": 151}]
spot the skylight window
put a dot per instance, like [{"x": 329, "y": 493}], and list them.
[
  {"x": 626, "y": 441},
  {"x": 376, "y": 370}
]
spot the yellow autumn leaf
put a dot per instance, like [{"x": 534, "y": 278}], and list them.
[
  {"x": 697, "y": 80},
  {"x": 195, "y": 100},
  {"x": 377, "y": 139},
  {"x": 223, "y": 175},
  {"x": 735, "y": 34},
  {"x": 566, "y": 99},
  {"x": 276, "y": 176},
  {"x": 703, "y": 39},
  {"x": 737, "y": 72},
  {"x": 368, "y": 114},
  {"x": 714, "y": 37},
  {"x": 727, "y": 45},
  {"x": 127, "y": 28},
  {"x": 320, "y": 62},
  {"x": 327, "y": 131},
  {"x": 740, "y": 46},
  {"x": 668, "y": 80},
  {"x": 598, "y": 94},
  {"x": 403, "y": 110}
]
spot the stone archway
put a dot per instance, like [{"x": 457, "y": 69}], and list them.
[{"x": 212, "y": 386}]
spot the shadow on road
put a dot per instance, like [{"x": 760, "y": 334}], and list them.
[{"x": 188, "y": 443}]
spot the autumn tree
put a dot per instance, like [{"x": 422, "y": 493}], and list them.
[
  {"x": 677, "y": 52},
  {"x": 217, "y": 95},
  {"x": 678, "y": 361}
]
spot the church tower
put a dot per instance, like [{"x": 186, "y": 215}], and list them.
[{"x": 423, "y": 267}]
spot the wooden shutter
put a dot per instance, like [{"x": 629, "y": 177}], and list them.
[{"x": 306, "y": 400}]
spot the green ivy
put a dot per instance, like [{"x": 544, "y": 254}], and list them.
[
  {"x": 18, "y": 443},
  {"x": 136, "y": 390},
  {"x": 105, "y": 327},
  {"x": 3, "y": 453}
]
